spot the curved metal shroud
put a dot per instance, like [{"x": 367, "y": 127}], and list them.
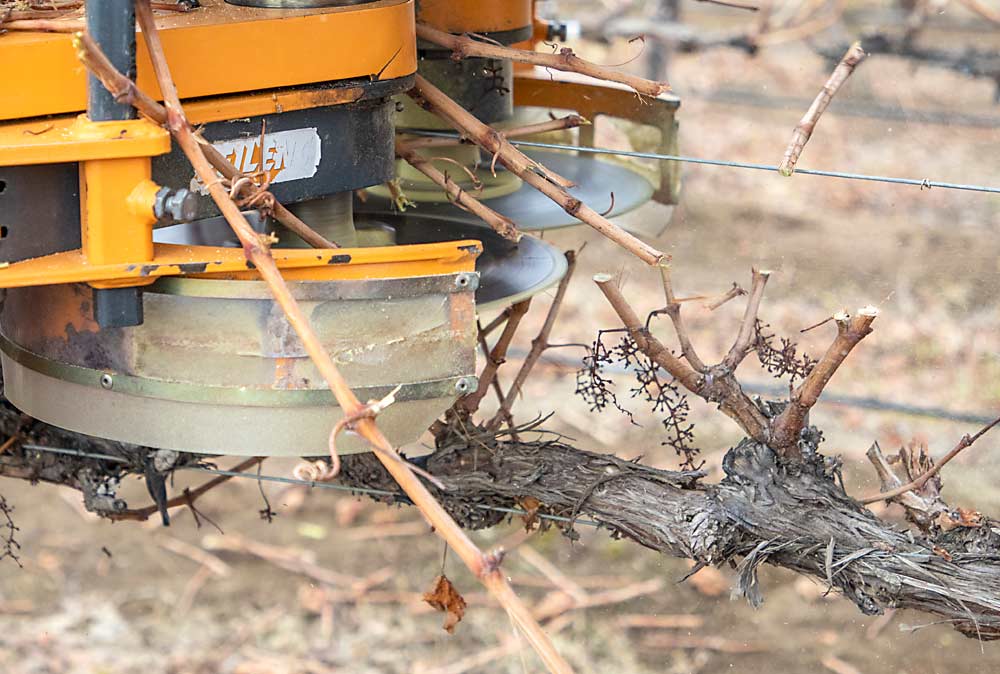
[{"x": 216, "y": 368}]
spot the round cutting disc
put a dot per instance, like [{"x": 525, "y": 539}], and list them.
[
  {"x": 596, "y": 180},
  {"x": 508, "y": 272},
  {"x": 207, "y": 232}
]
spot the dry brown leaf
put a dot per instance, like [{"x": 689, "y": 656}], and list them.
[
  {"x": 444, "y": 597},
  {"x": 710, "y": 582},
  {"x": 531, "y": 505},
  {"x": 941, "y": 552},
  {"x": 959, "y": 517}
]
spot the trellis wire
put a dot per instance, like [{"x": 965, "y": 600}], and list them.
[
  {"x": 305, "y": 483},
  {"x": 719, "y": 162},
  {"x": 868, "y": 110}
]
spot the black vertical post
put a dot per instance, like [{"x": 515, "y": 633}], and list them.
[{"x": 112, "y": 25}]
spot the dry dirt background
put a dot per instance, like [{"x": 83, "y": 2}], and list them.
[{"x": 100, "y": 598}]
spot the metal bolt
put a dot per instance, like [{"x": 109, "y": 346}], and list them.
[
  {"x": 467, "y": 281},
  {"x": 465, "y": 384},
  {"x": 180, "y": 205},
  {"x": 107, "y": 381},
  {"x": 400, "y": 106}
]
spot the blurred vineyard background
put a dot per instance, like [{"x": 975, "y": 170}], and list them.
[{"x": 333, "y": 584}]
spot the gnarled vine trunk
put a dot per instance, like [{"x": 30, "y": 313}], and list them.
[{"x": 767, "y": 510}]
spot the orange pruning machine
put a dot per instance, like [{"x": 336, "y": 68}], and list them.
[{"x": 130, "y": 311}]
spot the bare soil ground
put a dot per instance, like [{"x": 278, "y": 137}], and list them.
[{"x": 100, "y": 598}]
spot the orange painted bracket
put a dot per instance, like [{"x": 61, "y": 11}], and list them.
[
  {"x": 302, "y": 264},
  {"x": 475, "y": 16},
  {"x": 72, "y": 139},
  {"x": 595, "y": 98},
  {"x": 222, "y": 49}
]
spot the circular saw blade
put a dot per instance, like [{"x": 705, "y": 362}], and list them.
[
  {"x": 596, "y": 180},
  {"x": 508, "y": 272}
]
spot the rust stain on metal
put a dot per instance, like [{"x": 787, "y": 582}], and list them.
[
  {"x": 278, "y": 338},
  {"x": 192, "y": 267},
  {"x": 284, "y": 375},
  {"x": 461, "y": 312}
]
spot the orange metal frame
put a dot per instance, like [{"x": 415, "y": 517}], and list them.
[
  {"x": 210, "y": 53},
  {"x": 593, "y": 99},
  {"x": 301, "y": 264},
  {"x": 476, "y": 16},
  {"x": 117, "y": 198},
  {"x": 206, "y": 50}
]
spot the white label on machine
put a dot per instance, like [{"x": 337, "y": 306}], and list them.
[{"x": 288, "y": 155}]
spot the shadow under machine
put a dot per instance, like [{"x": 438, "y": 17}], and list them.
[{"x": 129, "y": 310}]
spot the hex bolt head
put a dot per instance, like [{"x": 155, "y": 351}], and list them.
[
  {"x": 467, "y": 281},
  {"x": 180, "y": 205},
  {"x": 465, "y": 385}
]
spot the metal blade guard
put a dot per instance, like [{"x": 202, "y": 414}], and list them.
[{"x": 216, "y": 368}]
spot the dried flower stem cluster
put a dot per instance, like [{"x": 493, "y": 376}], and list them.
[
  {"x": 718, "y": 383},
  {"x": 713, "y": 383}
]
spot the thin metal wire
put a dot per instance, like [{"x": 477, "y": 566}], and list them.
[
  {"x": 305, "y": 483},
  {"x": 730, "y": 164},
  {"x": 866, "y": 109},
  {"x": 75, "y": 452}
]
